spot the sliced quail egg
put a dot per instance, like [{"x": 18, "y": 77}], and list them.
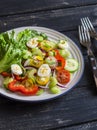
[
  {"x": 16, "y": 69},
  {"x": 32, "y": 43},
  {"x": 44, "y": 70},
  {"x": 63, "y": 44}
]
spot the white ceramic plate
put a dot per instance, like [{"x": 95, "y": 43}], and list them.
[{"x": 76, "y": 53}]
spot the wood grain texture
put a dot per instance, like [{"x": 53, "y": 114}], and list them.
[
  {"x": 86, "y": 126},
  {"x": 24, "y": 6},
  {"x": 61, "y": 112},
  {"x": 61, "y": 20}
]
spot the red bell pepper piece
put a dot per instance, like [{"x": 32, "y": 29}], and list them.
[
  {"x": 60, "y": 60},
  {"x": 21, "y": 88},
  {"x": 19, "y": 78},
  {"x": 5, "y": 74}
]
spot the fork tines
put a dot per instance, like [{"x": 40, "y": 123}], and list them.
[
  {"x": 80, "y": 33},
  {"x": 83, "y": 35},
  {"x": 87, "y": 24}
]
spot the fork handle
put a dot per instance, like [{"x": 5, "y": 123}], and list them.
[{"x": 93, "y": 65}]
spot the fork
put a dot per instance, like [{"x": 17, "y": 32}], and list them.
[
  {"x": 89, "y": 26},
  {"x": 84, "y": 38}
]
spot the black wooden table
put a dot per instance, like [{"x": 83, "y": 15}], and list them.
[{"x": 76, "y": 110}]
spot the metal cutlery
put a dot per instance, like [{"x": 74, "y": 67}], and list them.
[
  {"x": 86, "y": 23},
  {"x": 85, "y": 40}
]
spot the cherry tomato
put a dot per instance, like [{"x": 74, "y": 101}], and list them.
[{"x": 63, "y": 76}]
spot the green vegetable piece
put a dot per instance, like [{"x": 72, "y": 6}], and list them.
[
  {"x": 47, "y": 45},
  {"x": 33, "y": 78},
  {"x": 71, "y": 65},
  {"x": 38, "y": 52},
  {"x": 51, "y": 53},
  {"x": 51, "y": 61},
  {"x": 53, "y": 82},
  {"x": 30, "y": 73},
  {"x": 6, "y": 81},
  {"x": 55, "y": 90},
  {"x": 65, "y": 53},
  {"x": 26, "y": 54},
  {"x": 26, "y": 34},
  {"x": 11, "y": 56},
  {"x": 40, "y": 38},
  {"x": 40, "y": 91},
  {"x": 44, "y": 36},
  {"x": 11, "y": 51}
]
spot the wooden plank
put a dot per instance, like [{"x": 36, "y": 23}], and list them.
[
  {"x": 73, "y": 108},
  {"x": 22, "y": 6},
  {"x": 61, "y": 20},
  {"x": 86, "y": 126}
]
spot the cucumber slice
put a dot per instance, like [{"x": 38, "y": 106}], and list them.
[{"x": 71, "y": 65}]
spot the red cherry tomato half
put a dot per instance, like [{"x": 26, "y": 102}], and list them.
[{"x": 63, "y": 76}]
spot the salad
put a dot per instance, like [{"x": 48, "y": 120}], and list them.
[{"x": 31, "y": 64}]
